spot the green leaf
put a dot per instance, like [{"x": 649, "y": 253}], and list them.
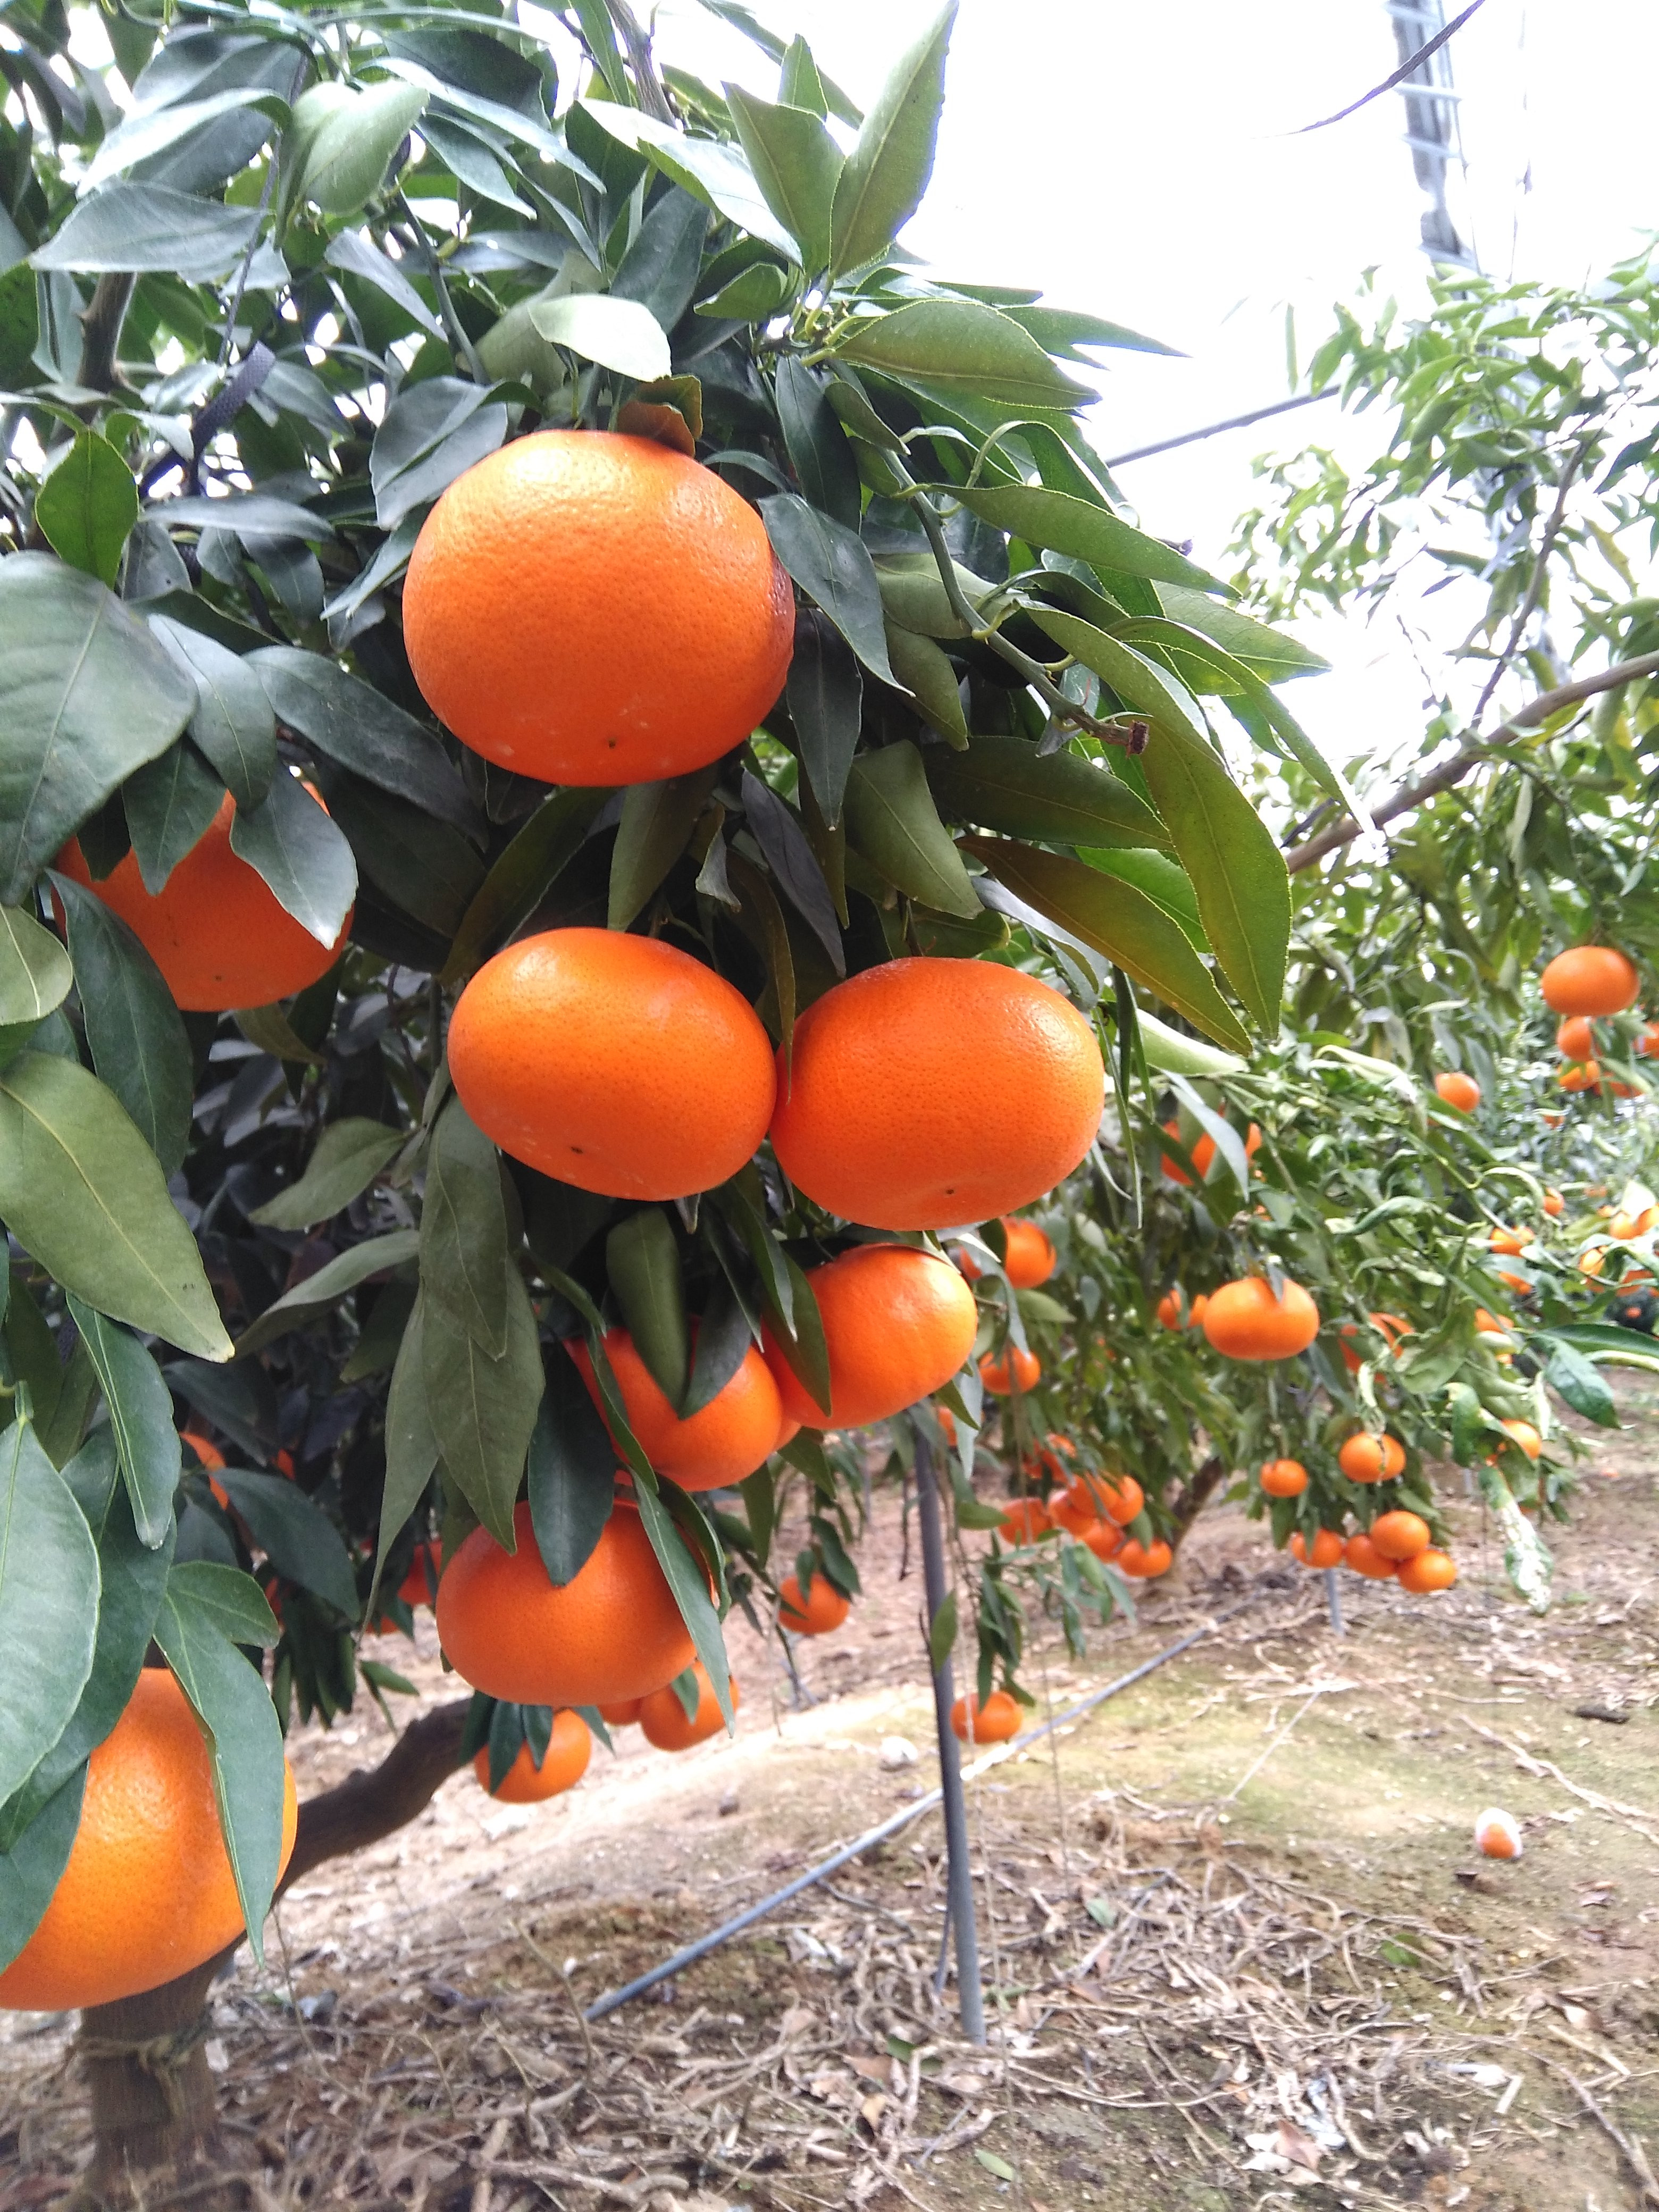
[
  {"x": 760, "y": 1504},
  {"x": 82, "y": 1192},
  {"x": 139, "y": 1045},
  {"x": 891, "y": 820},
  {"x": 689, "y": 1583},
  {"x": 964, "y": 350},
  {"x": 305, "y": 862},
  {"x": 87, "y": 507},
  {"x": 424, "y": 866},
  {"x": 795, "y": 868},
  {"x": 411, "y": 1446},
  {"x": 354, "y": 253},
  {"x": 1577, "y": 1379},
  {"x": 244, "y": 1742},
  {"x": 710, "y": 171},
  {"x": 887, "y": 170},
  {"x": 169, "y": 804},
  {"x": 482, "y": 1410},
  {"x": 294, "y": 1533},
  {"x": 921, "y": 667},
  {"x": 817, "y": 448},
  {"x": 149, "y": 132},
  {"x": 1165, "y": 881},
  {"x": 1005, "y": 784},
  {"x": 1269, "y": 652},
  {"x": 90, "y": 696},
  {"x": 656, "y": 826},
  {"x": 365, "y": 732},
  {"x": 49, "y": 1588},
  {"x": 31, "y": 1870},
  {"x": 270, "y": 1028},
  {"x": 464, "y": 1245},
  {"x": 521, "y": 877},
  {"x": 642, "y": 1261},
  {"x": 619, "y": 334},
  {"x": 1119, "y": 920},
  {"x": 430, "y": 435},
  {"x": 942, "y": 1633},
  {"x": 573, "y": 1466},
  {"x": 825, "y": 698},
  {"x": 137, "y": 226},
  {"x": 35, "y": 974},
  {"x": 753, "y": 296},
  {"x": 660, "y": 269},
  {"x": 227, "y": 1600},
  {"x": 797, "y": 165},
  {"x": 1065, "y": 523},
  {"x": 140, "y": 1416},
  {"x": 724, "y": 1338},
  {"x": 1169, "y": 1050},
  {"x": 831, "y": 564},
  {"x": 347, "y": 1157},
  {"x": 317, "y": 1292},
  {"x": 798, "y": 82},
  {"x": 232, "y": 723},
  {"x": 341, "y": 141}
]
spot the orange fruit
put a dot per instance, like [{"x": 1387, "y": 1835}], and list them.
[
  {"x": 1488, "y": 1324},
  {"x": 586, "y": 608},
  {"x": 525, "y": 1783},
  {"x": 1365, "y": 1458},
  {"x": 664, "y": 1720},
  {"x": 1390, "y": 1327},
  {"x": 148, "y": 1892},
  {"x": 924, "y": 1093},
  {"x": 1554, "y": 1204},
  {"x": 1400, "y": 1535},
  {"x": 996, "y": 1720},
  {"x": 1585, "y": 1075},
  {"x": 822, "y": 1609},
  {"x": 897, "y": 1323},
  {"x": 1509, "y": 1241},
  {"x": 1429, "y": 1571},
  {"x": 1144, "y": 1561},
  {"x": 1592, "y": 1263},
  {"x": 1648, "y": 1043},
  {"x": 1284, "y": 1478},
  {"x": 215, "y": 929},
  {"x": 1524, "y": 1434},
  {"x": 617, "y": 1063},
  {"x": 612, "y": 1631},
  {"x": 1245, "y": 1321},
  {"x": 1201, "y": 1306},
  {"x": 1204, "y": 1150},
  {"x": 947, "y": 1421},
  {"x": 1014, "y": 1370},
  {"x": 1362, "y": 1556},
  {"x": 621, "y": 1712},
  {"x": 1031, "y": 1258},
  {"x": 1024, "y": 1521},
  {"x": 418, "y": 1584},
  {"x": 1589, "y": 979},
  {"x": 207, "y": 1455},
  {"x": 1575, "y": 1039},
  {"x": 1104, "y": 1538},
  {"x": 1076, "y": 1508},
  {"x": 1327, "y": 1549},
  {"x": 727, "y": 1439},
  {"x": 1498, "y": 1834},
  {"x": 1458, "y": 1090},
  {"x": 1115, "y": 1496},
  {"x": 1168, "y": 1309},
  {"x": 1048, "y": 1464}
]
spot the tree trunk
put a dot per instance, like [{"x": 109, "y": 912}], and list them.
[
  {"x": 1191, "y": 1499},
  {"x": 152, "y": 2101}
]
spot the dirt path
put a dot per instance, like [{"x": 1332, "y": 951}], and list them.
[{"x": 1240, "y": 1952}]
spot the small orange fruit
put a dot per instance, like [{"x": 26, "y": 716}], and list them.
[
  {"x": 525, "y": 1783},
  {"x": 1014, "y": 1370},
  {"x": 897, "y": 1323},
  {"x": 620, "y": 1712},
  {"x": 997, "y": 1721},
  {"x": 947, "y": 1421},
  {"x": 720, "y": 1443},
  {"x": 1104, "y": 1538},
  {"x": 1509, "y": 1241},
  {"x": 1245, "y": 1321},
  {"x": 1524, "y": 1434},
  {"x": 1284, "y": 1478},
  {"x": 1584, "y": 1075},
  {"x": 1327, "y": 1550},
  {"x": 1400, "y": 1535},
  {"x": 1201, "y": 1306},
  {"x": 1024, "y": 1521},
  {"x": 1429, "y": 1571},
  {"x": 1168, "y": 1309},
  {"x": 924, "y": 1093},
  {"x": 665, "y": 1722},
  {"x": 617, "y": 1063},
  {"x": 1575, "y": 1039},
  {"x": 1554, "y": 1204},
  {"x": 1362, "y": 1556},
  {"x": 1365, "y": 1458},
  {"x": 1498, "y": 1834},
  {"x": 1648, "y": 1043},
  {"x": 1458, "y": 1090},
  {"x": 1076, "y": 1508},
  {"x": 1144, "y": 1561},
  {"x": 1119, "y": 1497},
  {"x": 822, "y": 1609},
  {"x": 1031, "y": 1258},
  {"x": 1048, "y": 1463},
  {"x": 1591, "y": 980}
]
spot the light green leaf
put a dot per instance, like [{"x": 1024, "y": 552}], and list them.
[
  {"x": 142, "y": 136},
  {"x": 305, "y": 862},
  {"x": 35, "y": 974},
  {"x": 619, "y": 334},
  {"x": 343, "y": 145},
  {"x": 1270, "y": 653},
  {"x": 49, "y": 1586},
  {"x": 926, "y": 674},
  {"x": 892, "y": 821},
  {"x": 347, "y": 1157},
  {"x": 1004, "y": 784},
  {"x": 1065, "y": 523},
  {"x": 141, "y": 1418},
  {"x": 963, "y": 350},
  {"x": 137, "y": 226},
  {"x": 1168, "y": 1050},
  {"x": 710, "y": 171},
  {"x": 329, "y": 1285},
  {"x": 888, "y": 169},
  {"x": 88, "y": 505},
  {"x": 797, "y": 165},
  {"x": 689, "y": 1584},
  {"x": 411, "y": 1447}
]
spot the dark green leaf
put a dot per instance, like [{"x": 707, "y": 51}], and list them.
[
  {"x": 49, "y": 1587},
  {"x": 411, "y": 1446},
  {"x": 484, "y": 1410},
  {"x": 831, "y": 564},
  {"x": 305, "y": 862},
  {"x": 825, "y": 700},
  {"x": 1578, "y": 1381},
  {"x": 232, "y": 723},
  {"x": 817, "y": 448},
  {"x": 922, "y": 668},
  {"x": 521, "y": 877},
  {"x": 140, "y": 1414},
  {"x": 760, "y": 1505},
  {"x": 892, "y": 821},
  {"x": 88, "y": 505},
  {"x": 35, "y": 974},
  {"x": 227, "y": 1600},
  {"x": 723, "y": 1339},
  {"x": 464, "y": 1247},
  {"x": 887, "y": 171},
  {"x": 134, "y": 226},
  {"x": 423, "y": 866},
  {"x": 31, "y": 1870},
  {"x": 348, "y": 1156},
  {"x": 793, "y": 864},
  {"x": 294, "y": 1533},
  {"x": 656, "y": 826},
  {"x": 31, "y": 1349},
  {"x": 659, "y": 268},
  {"x": 942, "y": 1633},
  {"x": 169, "y": 804},
  {"x": 964, "y": 350},
  {"x": 797, "y": 165},
  {"x": 137, "y": 1038},
  {"x": 431, "y": 433},
  {"x": 1165, "y": 881},
  {"x": 251, "y": 515},
  {"x": 573, "y": 1466},
  {"x": 761, "y": 919},
  {"x": 365, "y": 732},
  {"x": 1005, "y": 784},
  {"x": 642, "y": 1261},
  {"x": 689, "y": 1584},
  {"x": 356, "y": 254},
  {"x": 317, "y": 1292}
]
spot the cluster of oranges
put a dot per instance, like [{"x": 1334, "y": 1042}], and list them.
[
  {"x": 1248, "y": 1319},
  {"x": 1586, "y": 984},
  {"x": 1094, "y": 1509}
]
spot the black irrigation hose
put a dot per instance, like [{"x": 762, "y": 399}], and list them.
[{"x": 691, "y": 1952}]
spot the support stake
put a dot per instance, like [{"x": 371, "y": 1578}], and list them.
[{"x": 1333, "y": 1601}]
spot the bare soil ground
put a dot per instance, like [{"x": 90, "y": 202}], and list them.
[{"x": 1240, "y": 1952}]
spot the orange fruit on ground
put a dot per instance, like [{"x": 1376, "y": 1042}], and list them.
[
  {"x": 524, "y": 1783},
  {"x": 1365, "y": 1458},
  {"x": 897, "y": 1323},
  {"x": 822, "y": 1609},
  {"x": 1326, "y": 1552},
  {"x": 1104, "y": 1538},
  {"x": 1014, "y": 1370},
  {"x": 612, "y": 1631},
  {"x": 1429, "y": 1571},
  {"x": 1524, "y": 1434},
  {"x": 1362, "y": 1556},
  {"x": 148, "y": 1892},
  {"x": 924, "y": 1093},
  {"x": 1024, "y": 1521},
  {"x": 725, "y": 1440},
  {"x": 1031, "y": 1258},
  {"x": 1575, "y": 1039},
  {"x": 617, "y": 1063},
  {"x": 1400, "y": 1535},
  {"x": 1245, "y": 1321},
  {"x": 621, "y": 1712},
  {"x": 997, "y": 1721},
  {"x": 1284, "y": 1478},
  {"x": 215, "y": 929},
  {"x": 1498, "y": 1834},
  {"x": 1145, "y": 1561},
  {"x": 664, "y": 1720},
  {"x": 1554, "y": 1204},
  {"x": 586, "y": 608},
  {"x": 1589, "y": 979},
  {"x": 1458, "y": 1090}
]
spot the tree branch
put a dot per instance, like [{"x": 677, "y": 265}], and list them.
[
  {"x": 1471, "y": 753},
  {"x": 380, "y": 1799},
  {"x": 101, "y": 320},
  {"x": 653, "y": 97}
]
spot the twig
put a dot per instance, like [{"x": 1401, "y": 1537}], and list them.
[
  {"x": 1636, "y": 2157},
  {"x": 1544, "y": 1768},
  {"x": 1306, "y": 1706},
  {"x": 1535, "y": 586}
]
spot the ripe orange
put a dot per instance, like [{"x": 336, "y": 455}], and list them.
[
  {"x": 1116, "y": 1496},
  {"x": 822, "y": 1609},
  {"x": 1201, "y": 1306},
  {"x": 215, "y": 929},
  {"x": 664, "y": 1720},
  {"x": 1284, "y": 1478},
  {"x": 1048, "y": 1464},
  {"x": 418, "y": 1584},
  {"x": 1488, "y": 1324},
  {"x": 1589, "y": 979},
  {"x": 1648, "y": 1043},
  {"x": 1498, "y": 1834},
  {"x": 1104, "y": 1538},
  {"x": 1554, "y": 1204},
  {"x": 1524, "y": 1434},
  {"x": 728, "y": 1438},
  {"x": 1509, "y": 1241},
  {"x": 1429, "y": 1571},
  {"x": 617, "y": 1063},
  {"x": 1144, "y": 1561},
  {"x": 1575, "y": 1039},
  {"x": 526, "y": 1783},
  {"x": 947, "y": 1421},
  {"x": 997, "y": 1721},
  {"x": 1400, "y": 1535},
  {"x": 148, "y": 1892},
  {"x": 1246, "y": 1321},
  {"x": 612, "y": 1631},
  {"x": 1024, "y": 1521},
  {"x": 621, "y": 1712},
  {"x": 586, "y": 608},
  {"x": 1366, "y": 1458},
  {"x": 1076, "y": 1508},
  {"x": 1031, "y": 1258},
  {"x": 897, "y": 1323},
  {"x": 924, "y": 1093},
  {"x": 1585, "y": 1075},
  {"x": 1014, "y": 1370},
  {"x": 1327, "y": 1549},
  {"x": 1390, "y": 1327},
  {"x": 1204, "y": 1150},
  {"x": 1458, "y": 1090},
  {"x": 1168, "y": 1309},
  {"x": 207, "y": 1453},
  {"x": 1362, "y": 1556}
]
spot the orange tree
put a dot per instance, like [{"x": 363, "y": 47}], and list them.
[{"x": 517, "y": 603}]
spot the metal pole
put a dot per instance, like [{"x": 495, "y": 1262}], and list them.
[
  {"x": 1333, "y": 1601},
  {"x": 971, "y": 1995}
]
